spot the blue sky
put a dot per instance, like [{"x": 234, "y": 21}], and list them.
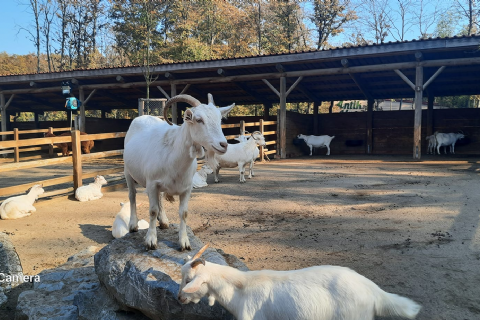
[{"x": 14, "y": 16}]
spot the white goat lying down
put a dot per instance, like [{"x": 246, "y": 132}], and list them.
[
  {"x": 163, "y": 158},
  {"x": 317, "y": 142},
  {"x": 432, "y": 144},
  {"x": 315, "y": 293},
  {"x": 21, "y": 206},
  {"x": 120, "y": 225},
  {"x": 91, "y": 191},
  {"x": 240, "y": 154},
  {"x": 200, "y": 177},
  {"x": 447, "y": 139}
]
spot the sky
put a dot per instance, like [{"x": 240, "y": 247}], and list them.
[{"x": 14, "y": 16}]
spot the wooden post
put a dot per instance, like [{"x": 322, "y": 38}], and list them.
[
  {"x": 141, "y": 110},
  {"x": 316, "y": 105},
  {"x": 431, "y": 99},
  {"x": 262, "y": 130},
  {"x": 369, "y": 145},
  {"x": 81, "y": 96},
  {"x": 330, "y": 109},
  {"x": 50, "y": 146},
  {"x": 242, "y": 126},
  {"x": 16, "y": 153},
  {"x": 77, "y": 159},
  {"x": 283, "y": 118},
  {"x": 3, "y": 110},
  {"x": 173, "y": 93},
  {"x": 36, "y": 114},
  {"x": 104, "y": 114},
  {"x": 417, "y": 131},
  {"x": 266, "y": 110}
]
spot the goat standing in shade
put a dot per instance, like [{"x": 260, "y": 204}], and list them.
[
  {"x": 163, "y": 158},
  {"x": 447, "y": 139},
  {"x": 315, "y": 293},
  {"x": 317, "y": 142}
]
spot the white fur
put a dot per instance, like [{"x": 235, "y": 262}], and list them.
[
  {"x": 91, "y": 191},
  {"x": 120, "y": 225},
  {"x": 317, "y": 142},
  {"x": 162, "y": 158},
  {"x": 20, "y": 206},
  {"x": 240, "y": 154},
  {"x": 315, "y": 293},
  {"x": 200, "y": 177},
  {"x": 243, "y": 138},
  {"x": 432, "y": 144},
  {"x": 447, "y": 139}
]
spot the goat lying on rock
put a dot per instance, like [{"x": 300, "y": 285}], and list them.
[
  {"x": 240, "y": 154},
  {"x": 120, "y": 225},
  {"x": 91, "y": 191},
  {"x": 315, "y": 293},
  {"x": 163, "y": 158},
  {"x": 21, "y": 206}
]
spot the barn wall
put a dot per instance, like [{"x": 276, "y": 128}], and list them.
[{"x": 392, "y": 131}]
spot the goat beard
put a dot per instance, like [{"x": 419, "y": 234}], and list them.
[{"x": 211, "y": 161}]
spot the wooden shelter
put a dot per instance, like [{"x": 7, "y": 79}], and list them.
[{"x": 410, "y": 69}]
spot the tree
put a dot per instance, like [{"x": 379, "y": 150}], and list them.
[
  {"x": 374, "y": 17},
  {"x": 401, "y": 18},
  {"x": 329, "y": 16},
  {"x": 427, "y": 13},
  {"x": 447, "y": 24},
  {"x": 35, "y": 35},
  {"x": 470, "y": 10},
  {"x": 48, "y": 11}
]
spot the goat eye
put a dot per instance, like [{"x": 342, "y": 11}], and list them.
[{"x": 199, "y": 121}]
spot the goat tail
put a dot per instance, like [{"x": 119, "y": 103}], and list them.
[{"x": 390, "y": 304}]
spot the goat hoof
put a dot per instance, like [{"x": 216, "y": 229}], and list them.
[
  {"x": 186, "y": 248},
  {"x": 133, "y": 230},
  {"x": 164, "y": 225},
  {"x": 152, "y": 246}
]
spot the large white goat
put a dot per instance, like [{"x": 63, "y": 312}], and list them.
[
  {"x": 92, "y": 191},
  {"x": 315, "y": 293},
  {"x": 447, "y": 139},
  {"x": 200, "y": 177},
  {"x": 162, "y": 157},
  {"x": 432, "y": 144},
  {"x": 21, "y": 206},
  {"x": 317, "y": 142},
  {"x": 240, "y": 154},
  {"x": 120, "y": 224}
]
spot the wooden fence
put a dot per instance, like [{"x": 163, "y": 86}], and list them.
[{"x": 18, "y": 145}]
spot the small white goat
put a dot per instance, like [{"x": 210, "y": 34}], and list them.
[
  {"x": 200, "y": 177},
  {"x": 243, "y": 138},
  {"x": 317, "y": 142},
  {"x": 447, "y": 139},
  {"x": 21, "y": 206},
  {"x": 91, "y": 191},
  {"x": 240, "y": 154},
  {"x": 120, "y": 225},
  {"x": 319, "y": 293},
  {"x": 432, "y": 144}
]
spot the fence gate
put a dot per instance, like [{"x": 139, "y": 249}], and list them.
[{"x": 153, "y": 107}]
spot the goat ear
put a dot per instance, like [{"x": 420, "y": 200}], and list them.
[
  {"x": 225, "y": 110},
  {"x": 188, "y": 116},
  {"x": 194, "y": 285},
  {"x": 197, "y": 262}
]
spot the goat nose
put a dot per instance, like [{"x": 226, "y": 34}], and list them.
[{"x": 224, "y": 144}]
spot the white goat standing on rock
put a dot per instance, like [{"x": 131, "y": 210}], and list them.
[
  {"x": 315, "y": 293},
  {"x": 21, "y": 206},
  {"x": 240, "y": 154},
  {"x": 317, "y": 142},
  {"x": 93, "y": 191},
  {"x": 163, "y": 158}
]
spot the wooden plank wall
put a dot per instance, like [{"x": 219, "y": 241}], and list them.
[{"x": 392, "y": 131}]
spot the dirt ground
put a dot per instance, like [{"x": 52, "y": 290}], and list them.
[{"x": 411, "y": 227}]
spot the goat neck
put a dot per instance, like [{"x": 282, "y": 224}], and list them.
[{"x": 183, "y": 145}]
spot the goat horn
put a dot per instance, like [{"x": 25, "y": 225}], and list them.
[
  {"x": 210, "y": 99},
  {"x": 199, "y": 253},
  {"x": 197, "y": 262},
  {"x": 180, "y": 98}
]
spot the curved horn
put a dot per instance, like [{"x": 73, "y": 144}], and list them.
[
  {"x": 197, "y": 262},
  {"x": 180, "y": 98},
  {"x": 199, "y": 253},
  {"x": 210, "y": 99}
]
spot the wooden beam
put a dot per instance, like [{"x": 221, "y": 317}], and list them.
[
  {"x": 316, "y": 105},
  {"x": 361, "y": 86},
  {"x": 271, "y": 87},
  {"x": 251, "y": 92},
  {"x": 221, "y": 72},
  {"x": 283, "y": 118},
  {"x": 294, "y": 85},
  {"x": 77, "y": 159},
  {"x": 114, "y": 98},
  {"x": 431, "y": 100},
  {"x": 169, "y": 76},
  {"x": 433, "y": 77},
  {"x": 404, "y": 77},
  {"x": 330, "y": 109},
  {"x": 173, "y": 93},
  {"x": 3, "y": 110},
  {"x": 33, "y": 84},
  {"x": 16, "y": 153},
  {"x": 164, "y": 92},
  {"x": 417, "y": 131},
  {"x": 89, "y": 96},
  {"x": 81, "y": 96},
  {"x": 266, "y": 110},
  {"x": 185, "y": 89},
  {"x": 369, "y": 145},
  {"x": 120, "y": 79}
]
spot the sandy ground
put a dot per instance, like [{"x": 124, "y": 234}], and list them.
[{"x": 412, "y": 227}]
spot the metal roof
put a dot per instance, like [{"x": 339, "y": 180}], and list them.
[{"x": 239, "y": 79}]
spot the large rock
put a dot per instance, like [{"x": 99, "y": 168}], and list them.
[
  {"x": 149, "y": 281},
  {"x": 71, "y": 292},
  {"x": 10, "y": 265}
]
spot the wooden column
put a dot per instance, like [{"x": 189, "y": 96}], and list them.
[
  {"x": 283, "y": 118},
  {"x": 316, "y": 105},
  {"x": 266, "y": 110},
  {"x": 330, "y": 109},
  {"x": 417, "y": 130},
  {"x": 369, "y": 146},
  {"x": 36, "y": 115},
  {"x": 50, "y": 146},
  {"x": 81, "y": 96},
  {"x": 77, "y": 159},
  {"x": 262, "y": 130},
  {"x": 141, "y": 110},
  {"x": 16, "y": 153},
  {"x": 104, "y": 114},
  {"x": 173, "y": 93},
  {"x": 4, "y": 114},
  {"x": 431, "y": 99},
  {"x": 242, "y": 127}
]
